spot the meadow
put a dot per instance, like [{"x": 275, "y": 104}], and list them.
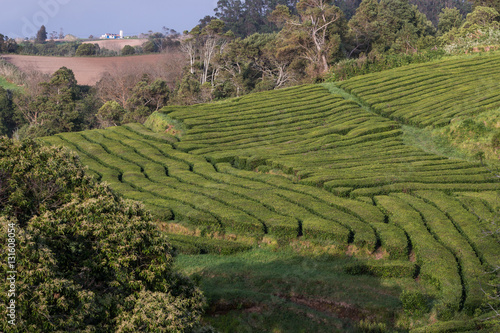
[{"x": 317, "y": 201}]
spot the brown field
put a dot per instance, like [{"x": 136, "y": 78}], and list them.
[
  {"x": 117, "y": 44},
  {"x": 89, "y": 70}
]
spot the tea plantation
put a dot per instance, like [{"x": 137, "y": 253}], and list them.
[{"x": 303, "y": 163}]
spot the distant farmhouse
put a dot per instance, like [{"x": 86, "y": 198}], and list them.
[{"x": 113, "y": 36}]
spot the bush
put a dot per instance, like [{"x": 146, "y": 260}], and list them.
[
  {"x": 128, "y": 50},
  {"x": 87, "y": 50},
  {"x": 86, "y": 260}
]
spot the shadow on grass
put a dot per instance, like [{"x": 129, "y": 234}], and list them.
[{"x": 267, "y": 291}]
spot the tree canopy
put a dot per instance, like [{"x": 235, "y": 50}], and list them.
[{"x": 86, "y": 260}]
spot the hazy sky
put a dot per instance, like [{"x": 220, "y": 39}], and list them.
[{"x": 23, "y": 18}]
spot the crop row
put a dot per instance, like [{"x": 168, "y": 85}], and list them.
[
  {"x": 153, "y": 169},
  {"x": 431, "y": 94}
]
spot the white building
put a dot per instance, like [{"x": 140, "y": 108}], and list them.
[{"x": 113, "y": 36}]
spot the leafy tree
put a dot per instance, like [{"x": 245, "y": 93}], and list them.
[
  {"x": 151, "y": 95},
  {"x": 482, "y": 17},
  {"x": 54, "y": 109},
  {"x": 449, "y": 18},
  {"x": 390, "y": 25},
  {"x": 111, "y": 114},
  {"x": 433, "y": 8},
  {"x": 244, "y": 18},
  {"x": 87, "y": 49},
  {"x": 86, "y": 260},
  {"x": 7, "y": 45},
  {"x": 128, "y": 50},
  {"x": 41, "y": 35},
  {"x": 363, "y": 27},
  {"x": 315, "y": 32}
]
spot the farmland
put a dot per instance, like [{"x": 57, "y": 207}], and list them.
[
  {"x": 118, "y": 44},
  {"x": 87, "y": 70},
  {"x": 306, "y": 165}
]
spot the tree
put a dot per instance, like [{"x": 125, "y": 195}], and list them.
[
  {"x": 449, "y": 18},
  {"x": 87, "y": 49},
  {"x": 41, "y": 35},
  {"x": 86, "y": 260},
  {"x": 7, "y": 45},
  {"x": 388, "y": 26},
  {"x": 53, "y": 110},
  {"x": 245, "y": 18},
  {"x": 363, "y": 27},
  {"x": 482, "y": 17},
  {"x": 128, "y": 50},
  {"x": 110, "y": 114},
  {"x": 315, "y": 30},
  {"x": 495, "y": 4}
]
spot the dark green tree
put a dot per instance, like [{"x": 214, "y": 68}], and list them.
[
  {"x": 86, "y": 260},
  {"x": 244, "y": 18},
  {"x": 54, "y": 109},
  {"x": 111, "y": 114},
  {"x": 87, "y": 49},
  {"x": 449, "y": 18},
  {"x": 128, "y": 50},
  {"x": 41, "y": 35}
]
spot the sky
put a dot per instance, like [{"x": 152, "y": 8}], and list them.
[{"x": 82, "y": 18}]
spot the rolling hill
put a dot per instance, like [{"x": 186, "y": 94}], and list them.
[{"x": 306, "y": 163}]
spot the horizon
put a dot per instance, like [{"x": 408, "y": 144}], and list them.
[{"x": 82, "y": 19}]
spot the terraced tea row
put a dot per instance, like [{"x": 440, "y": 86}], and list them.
[
  {"x": 167, "y": 180},
  {"x": 422, "y": 213},
  {"x": 431, "y": 94},
  {"x": 322, "y": 140}
]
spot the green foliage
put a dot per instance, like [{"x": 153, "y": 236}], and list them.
[
  {"x": 245, "y": 18},
  {"x": 348, "y": 68},
  {"x": 495, "y": 140},
  {"x": 7, "y": 45},
  {"x": 86, "y": 260},
  {"x": 7, "y": 109},
  {"x": 449, "y": 18},
  {"x": 87, "y": 50},
  {"x": 128, "y": 50},
  {"x": 41, "y": 35},
  {"x": 414, "y": 303},
  {"x": 111, "y": 114}
]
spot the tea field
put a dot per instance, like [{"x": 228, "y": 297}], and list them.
[{"x": 306, "y": 165}]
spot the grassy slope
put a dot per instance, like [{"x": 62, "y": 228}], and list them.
[
  {"x": 282, "y": 286},
  {"x": 7, "y": 85}
]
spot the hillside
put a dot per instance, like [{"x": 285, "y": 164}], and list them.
[{"x": 330, "y": 170}]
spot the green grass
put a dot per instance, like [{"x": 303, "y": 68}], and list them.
[
  {"x": 8, "y": 85},
  {"x": 283, "y": 290}
]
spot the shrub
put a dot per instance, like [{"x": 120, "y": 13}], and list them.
[
  {"x": 87, "y": 50},
  {"x": 86, "y": 260},
  {"x": 128, "y": 50}
]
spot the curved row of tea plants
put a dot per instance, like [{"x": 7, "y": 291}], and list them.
[
  {"x": 432, "y": 94},
  {"x": 320, "y": 139}
]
